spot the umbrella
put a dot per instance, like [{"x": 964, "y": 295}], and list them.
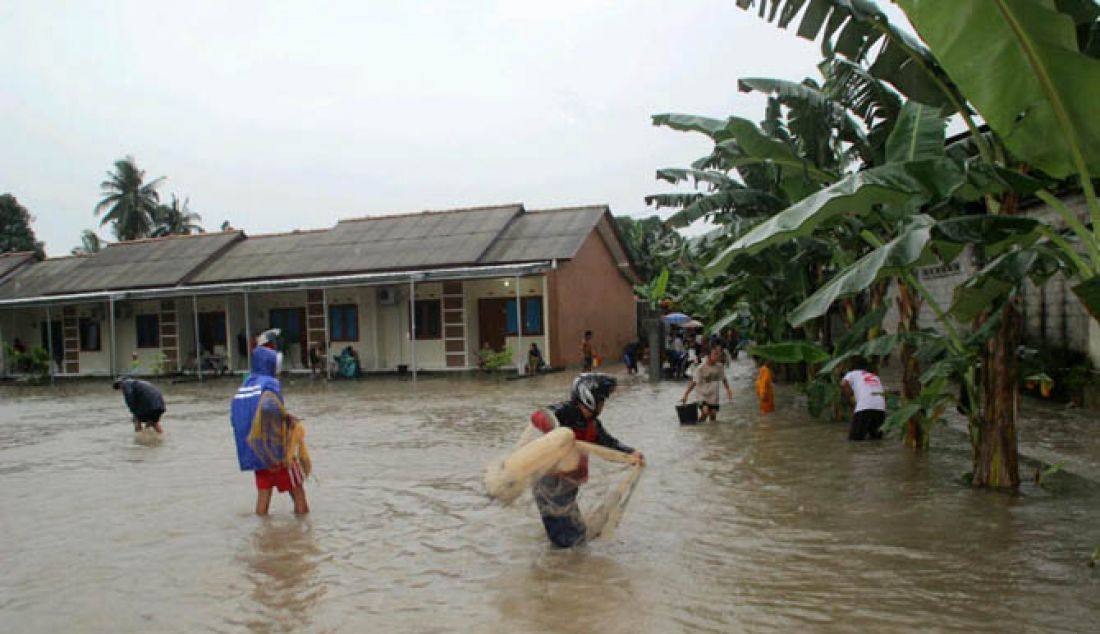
[
  {"x": 676, "y": 319},
  {"x": 692, "y": 324}
]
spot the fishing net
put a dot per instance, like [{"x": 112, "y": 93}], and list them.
[
  {"x": 611, "y": 483},
  {"x": 277, "y": 437}
]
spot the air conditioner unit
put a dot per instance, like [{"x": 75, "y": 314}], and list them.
[{"x": 387, "y": 295}]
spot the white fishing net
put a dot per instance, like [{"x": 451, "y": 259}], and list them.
[{"x": 610, "y": 484}]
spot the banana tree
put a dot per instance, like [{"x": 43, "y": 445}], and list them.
[{"x": 1029, "y": 70}]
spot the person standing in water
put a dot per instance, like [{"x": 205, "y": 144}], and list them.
[
  {"x": 144, "y": 400},
  {"x": 764, "y": 390},
  {"x": 270, "y": 442},
  {"x": 588, "y": 352},
  {"x": 556, "y": 494},
  {"x": 707, "y": 377}
]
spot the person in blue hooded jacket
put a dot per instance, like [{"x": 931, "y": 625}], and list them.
[{"x": 263, "y": 432}]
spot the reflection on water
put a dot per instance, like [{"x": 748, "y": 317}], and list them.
[
  {"x": 281, "y": 559},
  {"x": 756, "y": 523}
]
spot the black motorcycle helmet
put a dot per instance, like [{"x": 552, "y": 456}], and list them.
[{"x": 590, "y": 388}]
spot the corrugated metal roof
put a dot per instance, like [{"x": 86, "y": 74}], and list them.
[
  {"x": 11, "y": 261},
  {"x": 545, "y": 235},
  {"x": 137, "y": 264},
  {"x": 422, "y": 240},
  {"x": 41, "y": 278}
]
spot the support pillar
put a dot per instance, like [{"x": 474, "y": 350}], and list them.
[
  {"x": 111, "y": 312},
  {"x": 247, "y": 332},
  {"x": 49, "y": 342},
  {"x": 412, "y": 325},
  {"x": 198, "y": 345},
  {"x": 545, "y": 322},
  {"x": 518, "y": 354}
]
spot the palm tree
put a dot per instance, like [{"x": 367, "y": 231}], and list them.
[
  {"x": 175, "y": 219},
  {"x": 130, "y": 203},
  {"x": 90, "y": 242}
]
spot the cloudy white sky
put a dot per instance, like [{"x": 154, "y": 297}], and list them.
[{"x": 282, "y": 115}]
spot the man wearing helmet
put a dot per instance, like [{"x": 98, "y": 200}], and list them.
[{"x": 556, "y": 493}]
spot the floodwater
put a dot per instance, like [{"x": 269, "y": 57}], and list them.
[{"x": 773, "y": 524}]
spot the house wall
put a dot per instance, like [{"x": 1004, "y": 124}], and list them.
[
  {"x": 589, "y": 293},
  {"x": 502, "y": 288}
]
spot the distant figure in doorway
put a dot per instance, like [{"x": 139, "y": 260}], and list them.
[
  {"x": 707, "y": 377},
  {"x": 764, "y": 390},
  {"x": 588, "y": 352},
  {"x": 316, "y": 359},
  {"x": 145, "y": 402},
  {"x": 534, "y": 360},
  {"x": 864, "y": 389}
]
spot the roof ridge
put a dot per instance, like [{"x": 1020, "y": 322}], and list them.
[
  {"x": 601, "y": 207},
  {"x": 174, "y": 236},
  {"x": 431, "y": 212},
  {"x": 292, "y": 232}
]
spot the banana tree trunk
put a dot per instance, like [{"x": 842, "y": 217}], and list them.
[
  {"x": 909, "y": 303},
  {"x": 995, "y": 457}
]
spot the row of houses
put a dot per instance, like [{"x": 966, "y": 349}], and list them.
[{"x": 416, "y": 291}]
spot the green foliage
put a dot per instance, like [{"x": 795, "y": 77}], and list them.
[
  {"x": 129, "y": 204},
  {"x": 175, "y": 219},
  {"x": 90, "y": 242},
  {"x": 16, "y": 233},
  {"x": 791, "y": 352},
  {"x": 1018, "y": 63},
  {"x": 492, "y": 360},
  {"x": 35, "y": 361}
]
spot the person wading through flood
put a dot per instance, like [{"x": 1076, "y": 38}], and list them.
[
  {"x": 144, "y": 400},
  {"x": 707, "y": 377},
  {"x": 270, "y": 441},
  {"x": 556, "y": 494},
  {"x": 864, "y": 390}
]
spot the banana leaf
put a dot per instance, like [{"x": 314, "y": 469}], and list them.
[
  {"x": 791, "y": 352},
  {"x": 918, "y": 134},
  {"x": 853, "y": 28},
  {"x": 907, "y": 184},
  {"x": 1018, "y": 63},
  {"x": 905, "y": 251},
  {"x": 1001, "y": 276},
  {"x": 1089, "y": 294},
  {"x": 751, "y": 140}
]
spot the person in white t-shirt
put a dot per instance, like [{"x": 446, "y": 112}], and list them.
[{"x": 865, "y": 390}]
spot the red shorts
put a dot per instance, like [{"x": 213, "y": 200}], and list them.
[{"x": 282, "y": 478}]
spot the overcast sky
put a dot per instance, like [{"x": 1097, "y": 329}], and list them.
[{"x": 283, "y": 115}]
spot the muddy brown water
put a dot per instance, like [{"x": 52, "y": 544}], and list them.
[{"x": 773, "y": 524}]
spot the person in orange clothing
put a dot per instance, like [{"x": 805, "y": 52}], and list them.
[{"x": 764, "y": 390}]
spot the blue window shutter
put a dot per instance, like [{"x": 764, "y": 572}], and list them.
[
  {"x": 510, "y": 321},
  {"x": 532, "y": 315}
]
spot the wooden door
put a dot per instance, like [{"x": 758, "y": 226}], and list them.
[{"x": 492, "y": 321}]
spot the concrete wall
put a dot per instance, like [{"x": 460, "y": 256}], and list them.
[
  {"x": 1052, "y": 314},
  {"x": 589, "y": 293}
]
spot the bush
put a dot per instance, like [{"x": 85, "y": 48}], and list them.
[
  {"x": 35, "y": 361},
  {"x": 493, "y": 360}
]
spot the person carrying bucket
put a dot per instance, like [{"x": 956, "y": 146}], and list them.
[
  {"x": 270, "y": 441},
  {"x": 707, "y": 377},
  {"x": 556, "y": 493}
]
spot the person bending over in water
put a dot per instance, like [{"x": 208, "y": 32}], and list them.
[
  {"x": 864, "y": 390},
  {"x": 144, "y": 400},
  {"x": 556, "y": 494},
  {"x": 270, "y": 442}
]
